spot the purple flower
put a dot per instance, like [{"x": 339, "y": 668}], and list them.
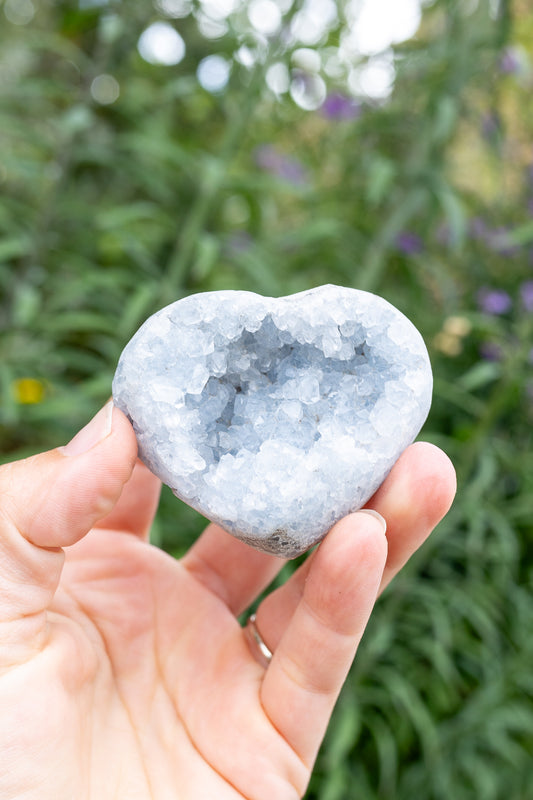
[
  {"x": 493, "y": 301},
  {"x": 271, "y": 160},
  {"x": 510, "y": 61},
  {"x": 526, "y": 293},
  {"x": 339, "y": 106},
  {"x": 491, "y": 351},
  {"x": 496, "y": 239},
  {"x": 409, "y": 243},
  {"x": 478, "y": 228},
  {"x": 239, "y": 242}
]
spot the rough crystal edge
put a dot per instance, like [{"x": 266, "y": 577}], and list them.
[{"x": 360, "y": 299}]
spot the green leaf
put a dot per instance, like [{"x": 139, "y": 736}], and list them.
[
  {"x": 14, "y": 248},
  {"x": 480, "y": 375},
  {"x": 522, "y": 235},
  {"x": 78, "y": 321},
  {"x": 454, "y": 213},
  {"x": 26, "y": 305},
  {"x": 123, "y": 216},
  {"x": 381, "y": 174}
]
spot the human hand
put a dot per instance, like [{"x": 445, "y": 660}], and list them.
[{"x": 125, "y": 673}]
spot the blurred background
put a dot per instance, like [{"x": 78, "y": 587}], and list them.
[{"x": 149, "y": 150}]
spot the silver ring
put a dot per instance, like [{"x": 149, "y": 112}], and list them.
[{"x": 260, "y": 650}]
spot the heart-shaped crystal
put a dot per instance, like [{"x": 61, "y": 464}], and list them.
[{"x": 275, "y": 417}]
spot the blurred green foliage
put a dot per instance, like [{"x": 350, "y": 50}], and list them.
[{"x": 119, "y": 196}]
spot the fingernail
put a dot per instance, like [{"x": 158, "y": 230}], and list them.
[
  {"x": 94, "y": 432},
  {"x": 377, "y": 515}
]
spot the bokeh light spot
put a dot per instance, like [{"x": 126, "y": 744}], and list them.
[
  {"x": 19, "y": 12},
  {"x": 213, "y": 73},
  {"x": 174, "y": 9},
  {"x": 160, "y": 43},
  {"x": 312, "y": 21},
  {"x": 277, "y": 78},
  {"x": 377, "y": 24},
  {"x": 211, "y": 28},
  {"x": 307, "y": 59},
  {"x": 284, "y": 5},
  {"x": 219, "y": 9},
  {"x": 308, "y": 91},
  {"x": 245, "y": 56},
  {"x": 105, "y": 89},
  {"x": 374, "y": 79},
  {"x": 265, "y": 16}
]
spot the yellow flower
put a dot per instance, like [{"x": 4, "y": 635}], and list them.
[
  {"x": 450, "y": 339},
  {"x": 448, "y": 344},
  {"x": 457, "y": 326},
  {"x": 28, "y": 390}
]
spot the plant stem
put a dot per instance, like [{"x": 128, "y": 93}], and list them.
[{"x": 181, "y": 259}]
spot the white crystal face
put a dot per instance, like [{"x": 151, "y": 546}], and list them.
[{"x": 275, "y": 417}]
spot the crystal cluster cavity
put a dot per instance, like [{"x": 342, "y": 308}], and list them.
[{"x": 275, "y": 417}]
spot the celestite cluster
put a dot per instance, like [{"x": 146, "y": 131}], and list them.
[{"x": 275, "y": 417}]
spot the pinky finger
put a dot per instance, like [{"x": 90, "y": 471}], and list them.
[{"x": 315, "y": 653}]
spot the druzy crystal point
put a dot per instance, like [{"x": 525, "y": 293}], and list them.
[{"x": 275, "y": 417}]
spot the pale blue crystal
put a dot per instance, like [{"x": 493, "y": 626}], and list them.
[{"x": 275, "y": 417}]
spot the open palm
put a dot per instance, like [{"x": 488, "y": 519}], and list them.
[{"x": 126, "y": 674}]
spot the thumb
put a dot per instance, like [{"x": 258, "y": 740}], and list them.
[{"x": 51, "y": 500}]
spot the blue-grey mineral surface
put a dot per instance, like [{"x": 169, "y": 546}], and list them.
[{"x": 275, "y": 417}]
